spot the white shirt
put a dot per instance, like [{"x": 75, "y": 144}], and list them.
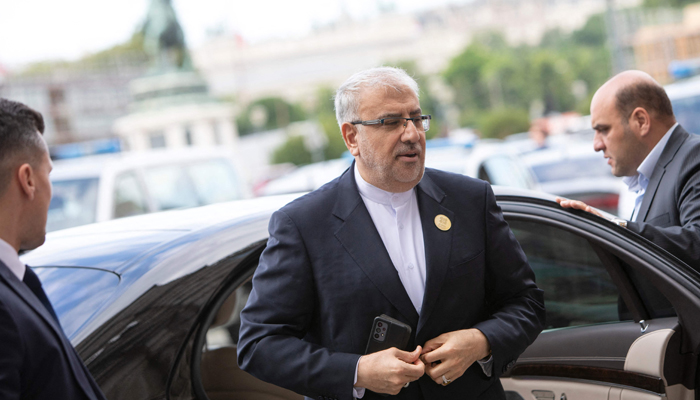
[
  {"x": 397, "y": 219},
  {"x": 8, "y": 255},
  {"x": 638, "y": 183}
]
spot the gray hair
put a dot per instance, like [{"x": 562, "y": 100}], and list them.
[{"x": 347, "y": 98}]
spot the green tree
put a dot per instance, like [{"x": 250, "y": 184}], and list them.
[
  {"x": 668, "y": 3},
  {"x": 274, "y": 113},
  {"x": 592, "y": 34},
  {"x": 325, "y": 114},
  {"x": 498, "y": 124},
  {"x": 558, "y": 73},
  {"x": 131, "y": 50},
  {"x": 292, "y": 151}
]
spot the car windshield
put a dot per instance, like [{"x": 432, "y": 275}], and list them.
[
  {"x": 572, "y": 169},
  {"x": 74, "y": 203}
]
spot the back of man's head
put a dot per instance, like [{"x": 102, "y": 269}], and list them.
[
  {"x": 638, "y": 89},
  {"x": 20, "y": 142}
]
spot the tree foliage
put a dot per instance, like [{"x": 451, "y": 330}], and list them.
[
  {"x": 497, "y": 124},
  {"x": 292, "y": 151},
  {"x": 668, "y": 3},
  {"x": 492, "y": 79},
  {"x": 131, "y": 51},
  {"x": 267, "y": 114}
]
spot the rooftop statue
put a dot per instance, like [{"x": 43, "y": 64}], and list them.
[{"x": 164, "y": 40}]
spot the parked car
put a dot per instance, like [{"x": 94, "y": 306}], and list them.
[
  {"x": 152, "y": 303},
  {"x": 574, "y": 170},
  {"x": 484, "y": 159},
  {"x": 103, "y": 187}
]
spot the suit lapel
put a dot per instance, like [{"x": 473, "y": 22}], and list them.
[
  {"x": 361, "y": 240},
  {"x": 674, "y": 143},
  {"x": 24, "y": 293},
  {"x": 438, "y": 243}
]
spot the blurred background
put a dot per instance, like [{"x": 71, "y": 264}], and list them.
[{"x": 158, "y": 104}]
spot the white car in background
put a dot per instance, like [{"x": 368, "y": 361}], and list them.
[
  {"x": 103, "y": 187},
  {"x": 485, "y": 159},
  {"x": 575, "y": 171}
]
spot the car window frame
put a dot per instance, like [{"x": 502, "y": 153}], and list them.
[
  {"x": 677, "y": 281},
  {"x": 239, "y": 275}
]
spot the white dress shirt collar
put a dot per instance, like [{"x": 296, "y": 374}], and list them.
[
  {"x": 380, "y": 196},
  {"x": 9, "y": 257},
  {"x": 640, "y": 181}
]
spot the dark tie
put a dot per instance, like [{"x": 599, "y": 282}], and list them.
[{"x": 34, "y": 284}]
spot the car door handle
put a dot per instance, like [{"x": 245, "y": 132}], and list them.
[{"x": 543, "y": 394}]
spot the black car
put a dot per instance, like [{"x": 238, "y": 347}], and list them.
[{"x": 152, "y": 303}]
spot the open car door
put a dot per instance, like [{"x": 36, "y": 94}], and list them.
[{"x": 622, "y": 314}]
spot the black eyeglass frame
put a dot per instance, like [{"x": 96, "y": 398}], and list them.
[{"x": 412, "y": 119}]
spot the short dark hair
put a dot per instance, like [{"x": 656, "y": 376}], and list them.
[
  {"x": 19, "y": 142},
  {"x": 651, "y": 97}
]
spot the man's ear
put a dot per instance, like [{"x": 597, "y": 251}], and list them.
[
  {"x": 27, "y": 180},
  {"x": 640, "y": 121},
  {"x": 350, "y": 133}
]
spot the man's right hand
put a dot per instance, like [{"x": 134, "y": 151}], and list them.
[
  {"x": 389, "y": 370},
  {"x": 579, "y": 205}
]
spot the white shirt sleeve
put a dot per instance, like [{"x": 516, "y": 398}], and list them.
[
  {"x": 486, "y": 366},
  {"x": 358, "y": 392}
]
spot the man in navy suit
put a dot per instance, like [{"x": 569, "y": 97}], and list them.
[
  {"x": 426, "y": 247},
  {"x": 36, "y": 359},
  {"x": 659, "y": 161}
]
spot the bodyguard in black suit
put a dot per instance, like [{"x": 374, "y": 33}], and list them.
[
  {"x": 36, "y": 359},
  {"x": 638, "y": 134},
  {"x": 330, "y": 267}
]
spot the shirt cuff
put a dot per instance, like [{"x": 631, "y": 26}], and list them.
[
  {"x": 486, "y": 366},
  {"x": 359, "y": 392}
]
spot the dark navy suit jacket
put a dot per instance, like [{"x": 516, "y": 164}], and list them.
[
  {"x": 670, "y": 211},
  {"x": 36, "y": 359},
  {"x": 326, "y": 274}
]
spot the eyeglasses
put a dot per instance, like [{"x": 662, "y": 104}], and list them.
[{"x": 393, "y": 124}]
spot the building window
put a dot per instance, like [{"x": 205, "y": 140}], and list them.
[
  {"x": 157, "y": 140},
  {"x": 218, "y": 140},
  {"x": 188, "y": 136}
]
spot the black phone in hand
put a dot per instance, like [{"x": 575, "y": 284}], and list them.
[{"x": 387, "y": 332}]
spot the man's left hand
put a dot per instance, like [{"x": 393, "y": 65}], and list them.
[{"x": 450, "y": 354}]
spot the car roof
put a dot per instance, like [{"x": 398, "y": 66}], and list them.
[
  {"x": 112, "y": 245},
  {"x": 94, "y": 166}
]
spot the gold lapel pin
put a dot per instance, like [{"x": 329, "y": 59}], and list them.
[{"x": 443, "y": 223}]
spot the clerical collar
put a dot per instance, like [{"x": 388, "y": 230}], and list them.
[{"x": 381, "y": 196}]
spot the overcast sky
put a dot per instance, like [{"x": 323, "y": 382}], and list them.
[{"x": 34, "y": 30}]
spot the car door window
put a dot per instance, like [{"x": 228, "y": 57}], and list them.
[
  {"x": 220, "y": 374},
  {"x": 577, "y": 287},
  {"x": 128, "y": 196},
  {"x": 171, "y": 187}
]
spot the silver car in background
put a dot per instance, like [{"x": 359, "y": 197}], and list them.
[{"x": 103, "y": 187}]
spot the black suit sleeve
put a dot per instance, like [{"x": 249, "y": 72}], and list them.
[
  {"x": 277, "y": 317},
  {"x": 10, "y": 356},
  {"x": 682, "y": 241},
  {"x": 515, "y": 302}
]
